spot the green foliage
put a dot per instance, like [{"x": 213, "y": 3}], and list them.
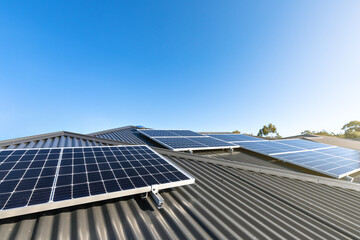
[
  {"x": 236, "y": 131},
  {"x": 268, "y": 131},
  {"x": 352, "y": 129},
  {"x": 321, "y": 133}
]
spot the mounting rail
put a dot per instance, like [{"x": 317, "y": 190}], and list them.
[{"x": 159, "y": 201}]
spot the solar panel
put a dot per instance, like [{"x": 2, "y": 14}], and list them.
[
  {"x": 268, "y": 147},
  {"x": 192, "y": 143},
  {"x": 211, "y": 142},
  {"x": 43, "y": 179},
  {"x": 303, "y": 143},
  {"x": 332, "y": 165},
  {"x": 157, "y": 133},
  {"x": 343, "y": 152},
  {"x": 235, "y": 137},
  {"x": 186, "y": 133},
  {"x": 179, "y": 143},
  {"x": 186, "y": 140},
  {"x": 169, "y": 133},
  {"x": 330, "y": 160}
]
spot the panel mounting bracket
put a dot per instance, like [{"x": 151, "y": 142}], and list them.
[
  {"x": 348, "y": 178},
  {"x": 159, "y": 201},
  {"x": 144, "y": 195}
]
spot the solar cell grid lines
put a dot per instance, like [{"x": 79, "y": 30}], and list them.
[
  {"x": 158, "y": 133},
  {"x": 343, "y": 152},
  {"x": 56, "y": 178},
  {"x": 185, "y": 140},
  {"x": 179, "y": 143},
  {"x": 209, "y": 141},
  {"x": 332, "y": 165},
  {"x": 303, "y": 143},
  {"x": 235, "y": 137},
  {"x": 269, "y": 147},
  {"x": 186, "y": 133},
  {"x": 330, "y": 160},
  {"x": 169, "y": 133}
]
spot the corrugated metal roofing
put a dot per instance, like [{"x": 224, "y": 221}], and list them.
[
  {"x": 57, "y": 139},
  {"x": 126, "y": 134},
  {"x": 245, "y": 157},
  {"x": 229, "y": 201}
]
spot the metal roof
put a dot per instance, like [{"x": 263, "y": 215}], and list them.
[
  {"x": 340, "y": 142},
  {"x": 126, "y": 134},
  {"x": 57, "y": 139},
  {"x": 230, "y": 200}
]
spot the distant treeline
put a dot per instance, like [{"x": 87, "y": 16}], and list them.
[{"x": 350, "y": 130}]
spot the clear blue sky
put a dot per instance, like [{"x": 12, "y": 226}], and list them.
[{"x": 200, "y": 65}]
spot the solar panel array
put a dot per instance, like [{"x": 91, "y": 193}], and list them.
[
  {"x": 233, "y": 138},
  {"x": 269, "y": 147},
  {"x": 59, "y": 177},
  {"x": 329, "y": 164},
  {"x": 329, "y": 160},
  {"x": 185, "y": 140},
  {"x": 169, "y": 133}
]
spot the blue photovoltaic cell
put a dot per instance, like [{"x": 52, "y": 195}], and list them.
[
  {"x": 192, "y": 142},
  {"x": 185, "y": 133},
  {"x": 157, "y": 133},
  {"x": 110, "y": 169},
  {"x": 27, "y": 176},
  {"x": 211, "y": 142},
  {"x": 323, "y": 158},
  {"x": 329, "y": 164},
  {"x": 169, "y": 133},
  {"x": 179, "y": 143},
  {"x": 303, "y": 143},
  {"x": 235, "y": 137},
  {"x": 185, "y": 140},
  {"x": 39, "y": 176},
  {"x": 268, "y": 147},
  {"x": 343, "y": 152}
]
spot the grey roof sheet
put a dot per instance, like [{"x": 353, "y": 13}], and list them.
[
  {"x": 246, "y": 157},
  {"x": 340, "y": 142},
  {"x": 229, "y": 201},
  {"x": 126, "y": 134},
  {"x": 57, "y": 139}
]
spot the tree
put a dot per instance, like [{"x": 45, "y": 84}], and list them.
[
  {"x": 268, "y": 131},
  {"x": 307, "y": 132},
  {"x": 236, "y": 131},
  {"x": 352, "y": 129},
  {"x": 322, "y": 133}
]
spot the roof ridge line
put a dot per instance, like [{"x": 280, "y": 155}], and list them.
[
  {"x": 38, "y": 136},
  {"x": 59, "y": 133},
  {"x": 110, "y": 130}
]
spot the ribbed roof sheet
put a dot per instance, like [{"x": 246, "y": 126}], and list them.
[
  {"x": 229, "y": 201},
  {"x": 126, "y": 134},
  {"x": 57, "y": 139}
]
